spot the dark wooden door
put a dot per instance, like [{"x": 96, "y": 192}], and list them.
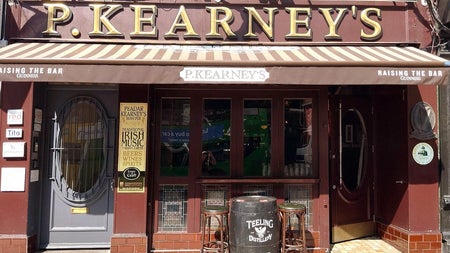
[{"x": 351, "y": 179}]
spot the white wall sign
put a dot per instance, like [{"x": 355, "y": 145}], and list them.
[
  {"x": 14, "y": 133},
  {"x": 423, "y": 153},
  {"x": 15, "y": 117},
  {"x": 228, "y": 75},
  {"x": 13, "y": 149},
  {"x": 13, "y": 179}
]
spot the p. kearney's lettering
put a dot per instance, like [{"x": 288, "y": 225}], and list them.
[
  {"x": 220, "y": 74},
  {"x": 133, "y": 112},
  {"x": 220, "y": 17},
  {"x": 224, "y": 74}
]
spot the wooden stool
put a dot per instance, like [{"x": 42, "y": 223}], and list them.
[
  {"x": 220, "y": 244},
  {"x": 292, "y": 239}
]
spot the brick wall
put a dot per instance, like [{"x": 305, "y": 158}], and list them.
[
  {"x": 169, "y": 241},
  {"x": 13, "y": 244},
  {"x": 411, "y": 242},
  {"x": 129, "y": 243}
]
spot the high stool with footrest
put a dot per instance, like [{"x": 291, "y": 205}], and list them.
[
  {"x": 219, "y": 243},
  {"x": 292, "y": 237}
]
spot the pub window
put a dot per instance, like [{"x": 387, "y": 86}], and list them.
[
  {"x": 172, "y": 213},
  {"x": 298, "y": 138},
  {"x": 257, "y": 138},
  {"x": 175, "y": 120},
  {"x": 216, "y": 136},
  {"x": 215, "y": 195},
  {"x": 301, "y": 194}
]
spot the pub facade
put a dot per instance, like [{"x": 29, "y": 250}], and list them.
[{"x": 120, "y": 120}]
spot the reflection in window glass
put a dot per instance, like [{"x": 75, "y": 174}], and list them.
[
  {"x": 175, "y": 119},
  {"x": 216, "y": 137},
  {"x": 257, "y": 117},
  {"x": 354, "y": 149},
  {"x": 81, "y": 159},
  {"x": 297, "y": 138}
]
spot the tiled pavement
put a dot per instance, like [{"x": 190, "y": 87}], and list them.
[{"x": 365, "y": 245}]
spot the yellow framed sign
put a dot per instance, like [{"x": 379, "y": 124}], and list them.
[{"x": 132, "y": 147}]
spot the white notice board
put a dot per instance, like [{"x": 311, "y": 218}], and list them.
[{"x": 12, "y": 179}]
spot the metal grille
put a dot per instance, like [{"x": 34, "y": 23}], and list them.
[
  {"x": 172, "y": 213},
  {"x": 79, "y": 149},
  {"x": 301, "y": 194}
]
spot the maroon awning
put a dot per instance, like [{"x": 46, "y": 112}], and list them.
[{"x": 172, "y": 64}]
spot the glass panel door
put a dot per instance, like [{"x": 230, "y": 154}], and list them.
[
  {"x": 216, "y": 134},
  {"x": 175, "y": 120},
  {"x": 298, "y": 138},
  {"x": 257, "y": 118}
]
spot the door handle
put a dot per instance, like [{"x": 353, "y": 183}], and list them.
[
  {"x": 111, "y": 183},
  {"x": 400, "y": 182}
]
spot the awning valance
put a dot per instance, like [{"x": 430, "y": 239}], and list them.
[{"x": 166, "y": 64}]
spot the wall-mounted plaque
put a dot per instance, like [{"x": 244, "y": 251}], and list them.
[
  {"x": 13, "y": 149},
  {"x": 13, "y": 179},
  {"x": 15, "y": 117},
  {"x": 14, "y": 133},
  {"x": 423, "y": 153}
]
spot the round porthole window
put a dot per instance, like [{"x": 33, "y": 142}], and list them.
[{"x": 80, "y": 149}]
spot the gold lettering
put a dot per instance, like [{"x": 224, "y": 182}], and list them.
[
  {"x": 260, "y": 20},
  {"x": 295, "y": 23},
  {"x": 101, "y": 17},
  {"x": 333, "y": 25},
  {"x": 266, "y": 27},
  {"x": 182, "y": 22},
  {"x": 140, "y": 21},
  {"x": 372, "y": 24},
  {"x": 53, "y": 19},
  {"x": 224, "y": 22}
]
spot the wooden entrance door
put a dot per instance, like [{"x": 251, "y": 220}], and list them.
[{"x": 351, "y": 174}]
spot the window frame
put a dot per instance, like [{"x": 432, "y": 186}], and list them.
[{"x": 237, "y": 98}]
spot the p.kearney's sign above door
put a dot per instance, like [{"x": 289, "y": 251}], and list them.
[
  {"x": 300, "y": 18},
  {"x": 198, "y": 22}
]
